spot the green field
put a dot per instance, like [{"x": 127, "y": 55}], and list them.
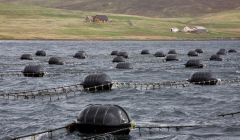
[{"x": 32, "y": 22}]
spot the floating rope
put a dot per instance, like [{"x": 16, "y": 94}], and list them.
[
  {"x": 105, "y": 134},
  {"x": 159, "y": 85},
  {"x": 229, "y": 114},
  {"x": 149, "y": 62},
  {"x": 139, "y": 128},
  {"x": 8, "y": 74},
  {"x": 151, "y": 85},
  {"x": 224, "y": 65},
  {"x": 205, "y": 66},
  {"x": 20, "y": 64},
  {"x": 36, "y": 135},
  {"x": 78, "y": 88},
  {"x": 12, "y": 64},
  {"x": 168, "y": 127},
  {"x": 43, "y": 92},
  {"x": 51, "y": 92},
  {"x": 50, "y": 134},
  {"x": 46, "y": 74}
]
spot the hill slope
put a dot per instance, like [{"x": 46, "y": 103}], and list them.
[
  {"x": 33, "y": 22},
  {"x": 152, "y": 8}
]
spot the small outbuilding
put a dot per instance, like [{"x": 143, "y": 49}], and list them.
[{"x": 100, "y": 18}]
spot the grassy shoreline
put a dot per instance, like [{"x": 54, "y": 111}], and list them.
[
  {"x": 210, "y": 39},
  {"x": 21, "y": 22}
]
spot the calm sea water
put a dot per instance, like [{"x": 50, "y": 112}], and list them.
[{"x": 167, "y": 106}]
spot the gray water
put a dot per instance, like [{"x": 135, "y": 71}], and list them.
[{"x": 194, "y": 105}]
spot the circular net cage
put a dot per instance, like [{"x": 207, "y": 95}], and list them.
[
  {"x": 55, "y": 61},
  {"x": 159, "y": 54},
  {"x": 123, "y": 54},
  {"x": 96, "y": 119},
  {"x": 222, "y": 52},
  {"x": 41, "y": 53},
  {"x": 216, "y": 57},
  {"x": 145, "y": 52},
  {"x": 199, "y": 50},
  {"x": 192, "y": 53},
  {"x": 194, "y": 63},
  {"x": 26, "y": 57},
  {"x": 203, "y": 78},
  {"x": 97, "y": 82},
  {"x": 232, "y": 51},
  {"x": 118, "y": 59},
  {"x": 114, "y": 52},
  {"x": 124, "y": 65},
  {"x": 172, "y": 51},
  {"x": 33, "y": 71},
  {"x": 172, "y": 57},
  {"x": 80, "y": 55}
]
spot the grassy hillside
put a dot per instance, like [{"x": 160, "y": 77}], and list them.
[
  {"x": 152, "y": 8},
  {"x": 32, "y": 22}
]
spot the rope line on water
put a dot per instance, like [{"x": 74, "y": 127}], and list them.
[
  {"x": 196, "y": 67},
  {"x": 139, "y": 127},
  {"x": 105, "y": 134},
  {"x": 36, "y": 134},
  {"x": 151, "y": 85},
  {"x": 78, "y": 88},
  {"x": 229, "y": 114},
  {"x": 46, "y": 63},
  {"x": 20, "y": 73},
  {"x": 43, "y": 92},
  {"x": 12, "y": 64},
  {"x": 176, "y": 127},
  {"x": 50, "y": 92},
  {"x": 50, "y": 134},
  {"x": 45, "y": 74},
  {"x": 158, "y": 85}
]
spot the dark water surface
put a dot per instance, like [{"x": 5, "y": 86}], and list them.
[{"x": 192, "y": 105}]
